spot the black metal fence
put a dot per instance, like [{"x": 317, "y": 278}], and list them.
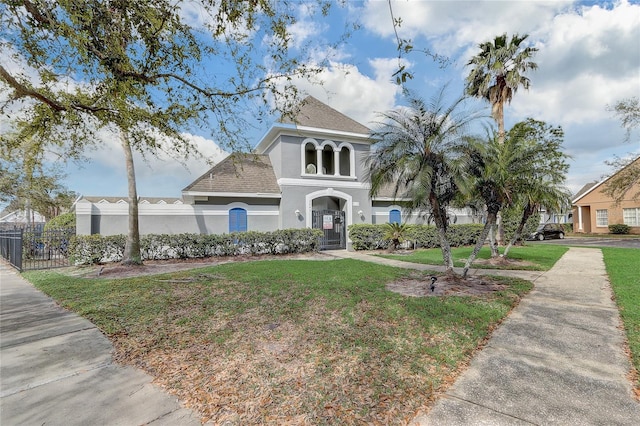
[{"x": 32, "y": 248}]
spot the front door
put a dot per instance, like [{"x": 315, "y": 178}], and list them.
[{"x": 333, "y": 226}]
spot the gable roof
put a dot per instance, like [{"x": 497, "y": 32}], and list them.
[
  {"x": 313, "y": 113},
  {"x": 582, "y": 191},
  {"x": 588, "y": 189},
  {"x": 240, "y": 174}
]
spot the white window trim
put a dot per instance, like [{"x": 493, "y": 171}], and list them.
[
  {"x": 637, "y": 216},
  {"x": 336, "y": 150},
  {"x": 606, "y": 216}
]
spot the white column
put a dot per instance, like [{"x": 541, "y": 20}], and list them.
[
  {"x": 319, "y": 160},
  {"x": 580, "y": 219},
  {"x": 336, "y": 162}
]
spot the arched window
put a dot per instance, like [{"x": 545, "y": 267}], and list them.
[
  {"x": 345, "y": 161},
  {"x": 237, "y": 220},
  {"x": 328, "y": 165},
  {"x": 395, "y": 216},
  {"x": 310, "y": 158}
]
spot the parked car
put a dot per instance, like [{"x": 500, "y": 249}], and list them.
[{"x": 548, "y": 230}]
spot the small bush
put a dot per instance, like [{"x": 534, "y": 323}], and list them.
[
  {"x": 372, "y": 237},
  {"x": 619, "y": 228},
  {"x": 90, "y": 249},
  {"x": 65, "y": 220}
]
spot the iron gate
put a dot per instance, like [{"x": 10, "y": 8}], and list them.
[
  {"x": 332, "y": 224},
  {"x": 32, "y": 248}
]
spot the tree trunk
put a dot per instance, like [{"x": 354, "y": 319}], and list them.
[
  {"x": 441, "y": 225},
  {"x": 491, "y": 220},
  {"x": 131, "y": 254},
  {"x": 493, "y": 243},
  {"x": 500, "y": 234},
  {"x": 526, "y": 214},
  {"x": 497, "y": 111}
]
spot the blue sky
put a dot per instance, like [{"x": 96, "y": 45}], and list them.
[{"x": 589, "y": 57}]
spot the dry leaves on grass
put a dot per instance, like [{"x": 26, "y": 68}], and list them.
[{"x": 291, "y": 372}]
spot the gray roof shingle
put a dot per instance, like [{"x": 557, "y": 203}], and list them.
[
  {"x": 239, "y": 173},
  {"x": 313, "y": 113}
]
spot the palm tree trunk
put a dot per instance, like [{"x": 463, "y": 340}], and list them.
[
  {"x": 491, "y": 220},
  {"x": 500, "y": 234},
  {"x": 131, "y": 254},
  {"x": 526, "y": 214},
  {"x": 493, "y": 243},
  {"x": 441, "y": 225}
]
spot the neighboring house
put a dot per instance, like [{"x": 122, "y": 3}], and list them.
[
  {"x": 594, "y": 211},
  {"x": 306, "y": 172},
  {"x": 21, "y": 219}
]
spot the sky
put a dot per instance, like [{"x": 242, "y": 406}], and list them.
[{"x": 588, "y": 59}]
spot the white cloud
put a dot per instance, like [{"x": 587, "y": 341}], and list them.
[
  {"x": 156, "y": 175},
  {"x": 451, "y": 25},
  {"x": 345, "y": 88}
]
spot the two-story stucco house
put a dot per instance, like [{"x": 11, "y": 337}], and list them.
[{"x": 308, "y": 171}]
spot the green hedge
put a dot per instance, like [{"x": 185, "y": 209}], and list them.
[
  {"x": 89, "y": 249},
  {"x": 65, "y": 220},
  {"x": 619, "y": 228},
  {"x": 371, "y": 237}
]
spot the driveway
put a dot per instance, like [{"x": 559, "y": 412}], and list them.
[{"x": 594, "y": 242}]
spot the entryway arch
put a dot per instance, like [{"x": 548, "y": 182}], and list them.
[{"x": 330, "y": 211}]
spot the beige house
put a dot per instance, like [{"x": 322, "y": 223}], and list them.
[{"x": 594, "y": 211}]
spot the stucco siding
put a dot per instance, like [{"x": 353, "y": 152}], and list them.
[
  {"x": 587, "y": 208},
  {"x": 112, "y": 219}
]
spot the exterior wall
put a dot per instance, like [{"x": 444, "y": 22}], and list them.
[
  {"x": 112, "y": 218},
  {"x": 301, "y": 195},
  {"x": 381, "y": 211},
  {"x": 290, "y": 158},
  {"x": 585, "y": 211}
]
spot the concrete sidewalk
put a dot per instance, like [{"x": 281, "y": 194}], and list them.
[
  {"x": 558, "y": 359},
  {"x": 56, "y": 369}
]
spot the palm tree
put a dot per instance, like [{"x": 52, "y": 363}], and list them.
[
  {"x": 496, "y": 74},
  {"x": 497, "y": 172},
  {"x": 414, "y": 153},
  {"x": 547, "y": 167},
  {"x": 540, "y": 193},
  {"x": 498, "y": 71}
]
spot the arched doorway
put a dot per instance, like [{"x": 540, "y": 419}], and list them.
[{"x": 328, "y": 215}]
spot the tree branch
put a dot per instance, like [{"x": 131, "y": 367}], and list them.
[{"x": 22, "y": 91}]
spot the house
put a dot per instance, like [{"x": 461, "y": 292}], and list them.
[
  {"x": 21, "y": 219},
  {"x": 594, "y": 211},
  {"x": 307, "y": 171}
]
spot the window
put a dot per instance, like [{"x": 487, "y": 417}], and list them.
[
  {"x": 345, "y": 161},
  {"x": 631, "y": 216},
  {"x": 327, "y": 160},
  {"x": 602, "y": 218},
  {"x": 395, "y": 216},
  {"x": 237, "y": 220},
  {"x": 310, "y": 158}
]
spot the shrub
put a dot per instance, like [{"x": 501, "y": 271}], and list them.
[
  {"x": 395, "y": 233},
  {"x": 619, "y": 228},
  {"x": 368, "y": 237},
  {"x": 372, "y": 237},
  {"x": 90, "y": 249},
  {"x": 65, "y": 220}
]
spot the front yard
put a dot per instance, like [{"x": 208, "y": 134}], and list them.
[{"x": 288, "y": 341}]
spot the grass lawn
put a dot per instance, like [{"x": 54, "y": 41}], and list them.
[
  {"x": 539, "y": 257},
  {"x": 622, "y": 267},
  {"x": 288, "y": 341}
]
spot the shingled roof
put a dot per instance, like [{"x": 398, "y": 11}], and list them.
[
  {"x": 238, "y": 173},
  {"x": 313, "y": 113}
]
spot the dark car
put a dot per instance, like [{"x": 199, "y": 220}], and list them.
[{"x": 548, "y": 230}]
